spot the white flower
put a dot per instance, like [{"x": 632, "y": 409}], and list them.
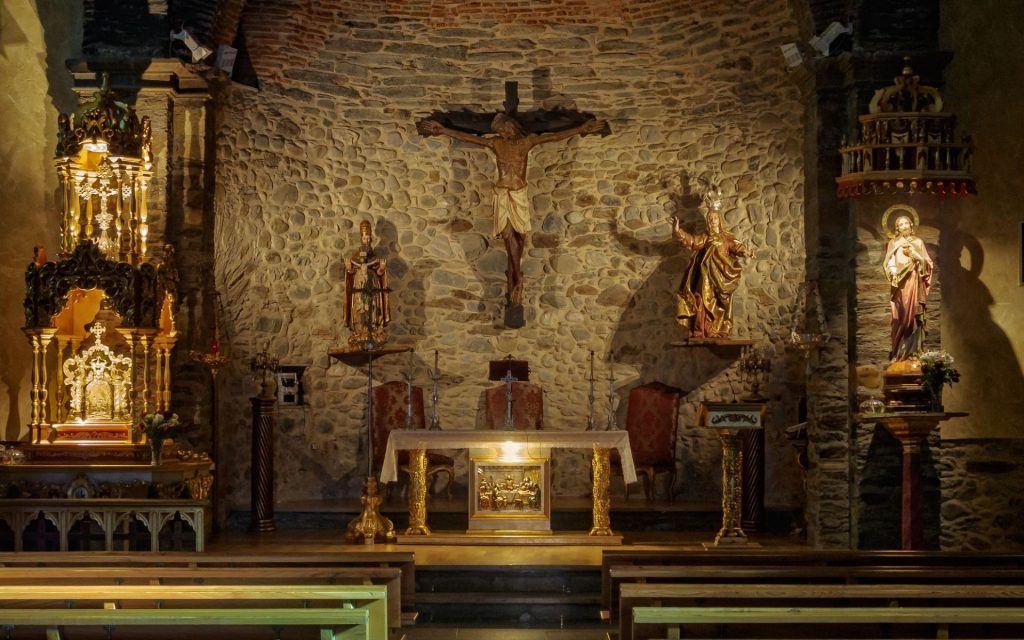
[{"x": 935, "y": 357}]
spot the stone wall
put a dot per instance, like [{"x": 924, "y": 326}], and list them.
[
  {"x": 691, "y": 90},
  {"x": 981, "y": 484}
]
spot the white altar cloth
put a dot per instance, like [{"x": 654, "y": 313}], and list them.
[{"x": 530, "y": 441}]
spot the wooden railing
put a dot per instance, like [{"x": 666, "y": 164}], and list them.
[{"x": 335, "y": 611}]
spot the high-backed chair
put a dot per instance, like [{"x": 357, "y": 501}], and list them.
[
  {"x": 651, "y": 420},
  {"x": 527, "y": 407},
  {"x": 390, "y": 403}
]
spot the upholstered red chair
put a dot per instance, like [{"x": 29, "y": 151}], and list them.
[
  {"x": 389, "y": 412},
  {"x": 527, "y": 407},
  {"x": 651, "y": 419}
]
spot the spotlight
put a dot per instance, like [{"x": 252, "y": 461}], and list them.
[{"x": 199, "y": 52}]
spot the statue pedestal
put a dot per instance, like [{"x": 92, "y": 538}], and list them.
[
  {"x": 732, "y": 421},
  {"x": 911, "y": 429}
]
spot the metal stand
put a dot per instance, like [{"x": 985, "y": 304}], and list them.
[{"x": 370, "y": 524}]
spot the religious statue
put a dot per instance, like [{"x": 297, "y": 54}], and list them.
[
  {"x": 909, "y": 271},
  {"x": 511, "y": 146},
  {"x": 366, "y": 312},
  {"x": 704, "y": 302}
]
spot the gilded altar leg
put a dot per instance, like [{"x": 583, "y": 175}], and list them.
[
  {"x": 418, "y": 493},
  {"x": 602, "y": 497},
  {"x": 732, "y": 490}
]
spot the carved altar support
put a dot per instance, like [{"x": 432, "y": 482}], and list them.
[
  {"x": 731, "y": 420},
  {"x": 507, "y": 446}
]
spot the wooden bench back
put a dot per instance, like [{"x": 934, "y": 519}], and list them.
[
  {"x": 403, "y": 560},
  {"x": 363, "y": 609},
  {"x": 826, "y": 623},
  {"x": 389, "y": 577},
  {"x": 760, "y": 557},
  {"x": 732, "y": 596},
  {"x": 807, "y": 575}
]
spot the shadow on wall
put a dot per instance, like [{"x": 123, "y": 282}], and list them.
[
  {"x": 648, "y": 324},
  {"x": 995, "y": 383}
]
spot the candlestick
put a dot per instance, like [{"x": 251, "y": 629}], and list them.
[
  {"x": 612, "y": 425},
  {"x": 435, "y": 375},
  {"x": 409, "y": 424},
  {"x": 590, "y": 396}
]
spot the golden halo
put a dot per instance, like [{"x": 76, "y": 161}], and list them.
[{"x": 906, "y": 208}]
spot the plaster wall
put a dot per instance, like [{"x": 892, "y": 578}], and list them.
[
  {"x": 35, "y": 40},
  {"x": 983, "y": 315}
]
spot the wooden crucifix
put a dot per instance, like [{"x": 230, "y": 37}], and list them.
[{"x": 510, "y": 136}]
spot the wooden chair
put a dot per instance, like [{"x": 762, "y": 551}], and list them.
[
  {"x": 527, "y": 407},
  {"x": 651, "y": 419},
  {"x": 390, "y": 404}
]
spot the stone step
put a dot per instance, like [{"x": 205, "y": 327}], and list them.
[{"x": 511, "y": 595}]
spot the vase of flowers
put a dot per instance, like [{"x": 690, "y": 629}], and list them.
[
  {"x": 936, "y": 372},
  {"x": 157, "y": 427}
]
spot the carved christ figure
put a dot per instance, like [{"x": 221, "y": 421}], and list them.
[{"x": 511, "y": 145}]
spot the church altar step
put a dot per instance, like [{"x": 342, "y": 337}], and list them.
[
  {"x": 511, "y": 595},
  {"x": 569, "y": 514},
  {"x": 533, "y": 538}
]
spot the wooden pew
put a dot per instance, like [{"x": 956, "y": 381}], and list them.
[
  {"x": 403, "y": 560},
  {"x": 808, "y": 597},
  {"x": 827, "y": 620},
  {"x": 389, "y": 577},
  {"x": 796, "y": 558},
  {"x": 337, "y": 611},
  {"x": 812, "y": 575},
  {"x": 738, "y": 576}
]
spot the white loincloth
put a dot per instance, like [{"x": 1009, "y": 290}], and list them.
[{"x": 511, "y": 207}]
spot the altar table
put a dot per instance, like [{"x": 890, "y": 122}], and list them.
[{"x": 417, "y": 441}]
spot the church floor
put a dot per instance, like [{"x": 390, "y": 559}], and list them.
[
  {"x": 468, "y": 591},
  {"x": 492, "y": 592}
]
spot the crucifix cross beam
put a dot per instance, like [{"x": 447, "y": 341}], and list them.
[{"x": 510, "y": 136}]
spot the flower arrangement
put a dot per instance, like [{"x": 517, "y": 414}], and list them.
[
  {"x": 936, "y": 372},
  {"x": 158, "y": 426}
]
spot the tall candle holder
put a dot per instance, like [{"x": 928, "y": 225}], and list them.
[
  {"x": 755, "y": 365},
  {"x": 435, "y": 377},
  {"x": 612, "y": 420},
  {"x": 590, "y": 395},
  {"x": 213, "y": 361}
]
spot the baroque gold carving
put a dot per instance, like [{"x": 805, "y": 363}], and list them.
[
  {"x": 99, "y": 382},
  {"x": 602, "y": 496}
]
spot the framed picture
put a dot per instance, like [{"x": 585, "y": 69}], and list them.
[{"x": 289, "y": 384}]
